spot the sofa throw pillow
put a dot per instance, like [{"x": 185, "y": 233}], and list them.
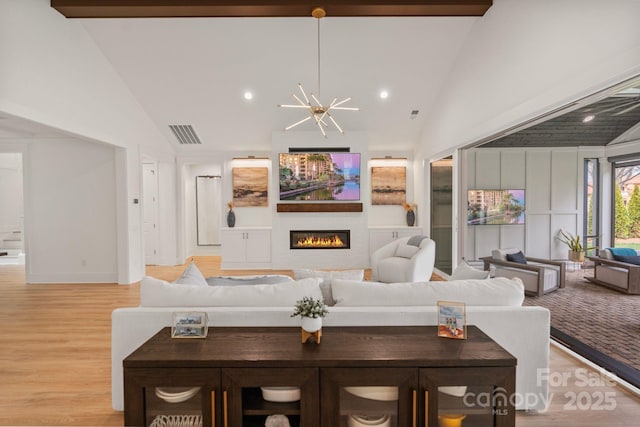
[
  {"x": 628, "y": 259},
  {"x": 622, "y": 252},
  {"x": 270, "y": 279},
  {"x": 416, "y": 240},
  {"x": 159, "y": 293},
  {"x": 465, "y": 271},
  {"x": 406, "y": 251},
  {"x": 498, "y": 291},
  {"x": 517, "y": 257},
  {"x": 326, "y": 277},
  {"x": 192, "y": 276}
]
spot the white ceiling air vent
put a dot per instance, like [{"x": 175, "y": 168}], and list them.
[{"x": 185, "y": 134}]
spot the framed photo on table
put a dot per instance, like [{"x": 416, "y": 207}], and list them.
[
  {"x": 191, "y": 324},
  {"x": 452, "y": 320}
]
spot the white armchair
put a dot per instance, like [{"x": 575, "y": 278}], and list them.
[{"x": 409, "y": 259}]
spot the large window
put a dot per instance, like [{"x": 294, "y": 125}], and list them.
[
  {"x": 626, "y": 203},
  {"x": 591, "y": 228}
]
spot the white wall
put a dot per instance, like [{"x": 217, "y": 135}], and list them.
[
  {"x": 11, "y": 199},
  {"x": 222, "y": 163},
  {"x": 53, "y": 74},
  {"x": 358, "y": 255},
  {"x": 70, "y": 214},
  {"x": 552, "y": 180},
  {"x": 524, "y": 58}
]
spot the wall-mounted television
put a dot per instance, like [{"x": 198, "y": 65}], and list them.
[
  {"x": 495, "y": 207},
  {"x": 318, "y": 176}
]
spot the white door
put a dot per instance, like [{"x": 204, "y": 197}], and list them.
[{"x": 150, "y": 212}]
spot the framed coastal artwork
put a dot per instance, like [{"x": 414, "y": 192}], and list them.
[
  {"x": 452, "y": 320},
  {"x": 250, "y": 187},
  {"x": 388, "y": 185}
]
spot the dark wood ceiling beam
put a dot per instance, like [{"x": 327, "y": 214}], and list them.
[{"x": 265, "y": 8}]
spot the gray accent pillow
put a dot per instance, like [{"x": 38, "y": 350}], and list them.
[
  {"x": 247, "y": 280},
  {"x": 415, "y": 240},
  {"x": 192, "y": 276},
  {"x": 517, "y": 257}
]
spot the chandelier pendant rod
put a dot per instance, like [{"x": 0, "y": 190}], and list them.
[
  {"x": 318, "y": 112},
  {"x": 319, "y": 94}
]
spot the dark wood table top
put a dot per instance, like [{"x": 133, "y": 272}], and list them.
[{"x": 371, "y": 346}]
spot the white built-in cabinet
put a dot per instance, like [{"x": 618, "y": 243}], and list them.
[
  {"x": 380, "y": 236},
  {"x": 246, "y": 247}
]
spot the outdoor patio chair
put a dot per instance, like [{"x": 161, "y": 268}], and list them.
[{"x": 540, "y": 276}]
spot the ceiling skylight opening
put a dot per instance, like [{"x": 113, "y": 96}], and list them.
[{"x": 588, "y": 118}]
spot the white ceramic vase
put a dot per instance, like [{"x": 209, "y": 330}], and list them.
[{"x": 311, "y": 324}]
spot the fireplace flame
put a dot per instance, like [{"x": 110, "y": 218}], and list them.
[{"x": 320, "y": 242}]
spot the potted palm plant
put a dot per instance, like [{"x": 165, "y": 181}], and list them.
[
  {"x": 576, "y": 250},
  {"x": 311, "y": 310}
]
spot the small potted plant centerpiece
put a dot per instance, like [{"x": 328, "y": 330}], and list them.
[
  {"x": 311, "y": 310},
  {"x": 576, "y": 250}
]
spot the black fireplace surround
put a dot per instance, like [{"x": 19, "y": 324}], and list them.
[{"x": 319, "y": 239}]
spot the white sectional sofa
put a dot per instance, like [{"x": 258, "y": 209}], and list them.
[{"x": 494, "y": 305}]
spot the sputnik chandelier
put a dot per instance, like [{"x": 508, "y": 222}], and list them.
[{"x": 318, "y": 112}]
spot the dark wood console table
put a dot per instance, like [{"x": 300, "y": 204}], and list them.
[{"x": 231, "y": 364}]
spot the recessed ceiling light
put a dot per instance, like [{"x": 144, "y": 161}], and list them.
[
  {"x": 588, "y": 118},
  {"x": 384, "y": 94},
  {"x": 248, "y": 95}
]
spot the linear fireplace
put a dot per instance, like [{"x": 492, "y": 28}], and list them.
[{"x": 319, "y": 239}]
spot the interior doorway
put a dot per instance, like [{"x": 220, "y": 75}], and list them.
[{"x": 11, "y": 209}]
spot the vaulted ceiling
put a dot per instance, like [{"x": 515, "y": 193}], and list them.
[{"x": 195, "y": 71}]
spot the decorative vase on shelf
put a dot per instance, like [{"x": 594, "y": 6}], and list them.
[
  {"x": 231, "y": 218},
  {"x": 411, "y": 217}
]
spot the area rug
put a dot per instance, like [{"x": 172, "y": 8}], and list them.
[{"x": 600, "y": 324}]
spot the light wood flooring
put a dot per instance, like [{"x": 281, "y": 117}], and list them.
[{"x": 55, "y": 358}]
